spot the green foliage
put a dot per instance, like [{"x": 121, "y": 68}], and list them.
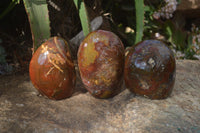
[
  {"x": 135, "y": 15},
  {"x": 139, "y": 11},
  {"x": 175, "y": 35},
  {"x": 9, "y": 8},
  {"x": 39, "y": 20},
  {"x": 85, "y": 22}
]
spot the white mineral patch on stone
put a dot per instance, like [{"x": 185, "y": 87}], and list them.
[
  {"x": 141, "y": 65},
  {"x": 152, "y": 62},
  {"x": 126, "y": 53},
  {"x": 144, "y": 85},
  {"x": 162, "y": 67},
  {"x": 85, "y": 45}
]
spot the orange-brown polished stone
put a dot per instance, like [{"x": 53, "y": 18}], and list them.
[
  {"x": 101, "y": 63},
  {"x": 52, "y": 70}
]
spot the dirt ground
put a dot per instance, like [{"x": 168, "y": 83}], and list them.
[{"x": 22, "y": 110}]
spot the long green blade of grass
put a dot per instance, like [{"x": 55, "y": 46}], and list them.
[
  {"x": 85, "y": 23},
  {"x": 37, "y": 12},
  {"x": 139, "y": 10},
  {"x": 9, "y": 8}
]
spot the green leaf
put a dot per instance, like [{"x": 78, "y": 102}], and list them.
[
  {"x": 9, "y": 8},
  {"x": 85, "y": 23},
  {"x": 139, "y": 9},
  {"x": 175, "y": 35},
  {"x": 179, "y": 1},
  {"x": 147, "y": 8},
  {"x": 37, "y": 12}
]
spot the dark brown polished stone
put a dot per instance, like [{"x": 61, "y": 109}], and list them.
[{"x": 150, "y": 69}]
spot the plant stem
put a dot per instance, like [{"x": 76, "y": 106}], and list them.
[
  {"x": 85, "y": 23},
  {"x": 139, "y": 9},
  {"x": 9, "y": 8}
]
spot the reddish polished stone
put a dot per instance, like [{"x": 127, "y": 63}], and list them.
[
  {"x": 101, "y": 63},
  {"x": 52, "y": 70},
  {"x": 150, "y": 69}
]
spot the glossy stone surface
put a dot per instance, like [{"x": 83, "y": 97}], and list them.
[
  {"x": 52, "y": 70},
  {"x": 150, "y": 69},
  {"x": 101, "y": 63}
]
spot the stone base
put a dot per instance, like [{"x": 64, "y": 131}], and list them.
[{"x": 22, "y": 110}]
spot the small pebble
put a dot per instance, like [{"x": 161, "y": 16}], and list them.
[{"x": 20, "y": 105}]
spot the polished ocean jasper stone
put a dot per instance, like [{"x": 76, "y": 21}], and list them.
[
  {"x": 101, "y": 63},
  {"x": 150, "y": 69},
  {"x": 52, "y": 70}
]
